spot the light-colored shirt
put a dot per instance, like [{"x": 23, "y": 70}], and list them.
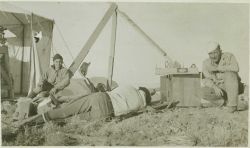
[
  {"x": 227, "y": 62},
  {"x": 58, "y": 78},
  {"x": 126, "y": 99}
]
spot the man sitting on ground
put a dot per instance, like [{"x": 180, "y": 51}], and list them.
[
  {"x": 55, "y": 79},
  {"x": 222, "y": 82}
]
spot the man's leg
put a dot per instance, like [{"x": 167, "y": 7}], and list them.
[
  {"x": 70, "y": 109},
  {"x": 101, "y": 108},
  {"x": 42, "y": 95},
  {"x": 231, "y": 86},
  {"x": 93, "y": 106},
  {"x": 34, "y": 92},
  {"x": 59, "y": 94},
  {"x": 209, "y": 95},
  {"x": 63, "y": 112},
  {"x": 46, "y": 87},
  {"x": 43, "y": 91}
]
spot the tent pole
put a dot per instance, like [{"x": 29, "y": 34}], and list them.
[
  {"x": 145, "y": 35},
  {"x": 112, "y": 50},
  {"x": 21, "y": 82},
  {"x": 0, "y": 82},
  {"x": 31, "y": 56},
  {"x": 84, "y": 51}
]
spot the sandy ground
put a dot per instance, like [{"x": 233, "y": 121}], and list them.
[
  {"x": 193, "y": 126},
  {"x": 169, "y": 127}
]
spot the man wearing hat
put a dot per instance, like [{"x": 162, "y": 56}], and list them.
[
  {"x": 53, "y": 80},
  {"x": 221, "y": 83}
]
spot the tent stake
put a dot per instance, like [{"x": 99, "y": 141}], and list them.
[{"x": 145, "y": 35}]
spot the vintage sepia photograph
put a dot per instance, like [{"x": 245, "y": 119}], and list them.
[{"x": 120, "y": 73}]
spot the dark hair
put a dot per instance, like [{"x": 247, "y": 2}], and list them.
[
  {"x": 57, "y": 56},
  {"x": 148, "y": 96},
  {"x": 101, "y": 87}
]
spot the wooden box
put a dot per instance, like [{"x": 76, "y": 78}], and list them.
[{"x": 185, "y": 88}]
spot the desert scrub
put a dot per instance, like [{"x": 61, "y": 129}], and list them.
[
  {"x": 176, "y": 127},
  {"x": 31, "y": 136},
  {"x": 215, "y": 127}
]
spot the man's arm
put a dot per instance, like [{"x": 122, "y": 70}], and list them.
[
  {"x": 65, "y": 81},
  {"x": 230, "y": 64},
  {"x": 92, "y": 86},
  {"x": 209, "y": 78}
]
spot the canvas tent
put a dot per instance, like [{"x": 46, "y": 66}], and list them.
[
  {"x": 114, "y": 16},
  {"x": 27, "y": 54},
  {"x": 28, "y": 60}
]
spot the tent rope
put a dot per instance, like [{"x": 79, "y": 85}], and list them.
[
  {"x": 64, "y": 41},
  {"x": 52, "y": 47},
  {"x": 123, "y": 14}
]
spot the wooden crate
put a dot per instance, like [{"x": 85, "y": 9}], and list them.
[{"x": 185, "y": 88}]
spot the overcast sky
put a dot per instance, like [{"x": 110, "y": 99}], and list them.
[{"x": 182, "y": 29}]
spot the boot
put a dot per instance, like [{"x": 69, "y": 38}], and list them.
[{"x": 215, "y": 103}]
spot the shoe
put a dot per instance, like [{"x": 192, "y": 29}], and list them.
[
  {"x": 214, "y": 103},
  {"x": 231, "y": 109}
]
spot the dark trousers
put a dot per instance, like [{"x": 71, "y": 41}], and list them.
[
  {"x": 94, "y": 106},
  {"x": 41, "y": 91}
]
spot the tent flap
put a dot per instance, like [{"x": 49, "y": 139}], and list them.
[{"x": 21, "y": 49}]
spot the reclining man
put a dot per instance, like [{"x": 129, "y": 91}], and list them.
[
  {"x": 222, "y": 83},
  {"x": 101, "y": 105},
  {"x": 55, "y": 79}
]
